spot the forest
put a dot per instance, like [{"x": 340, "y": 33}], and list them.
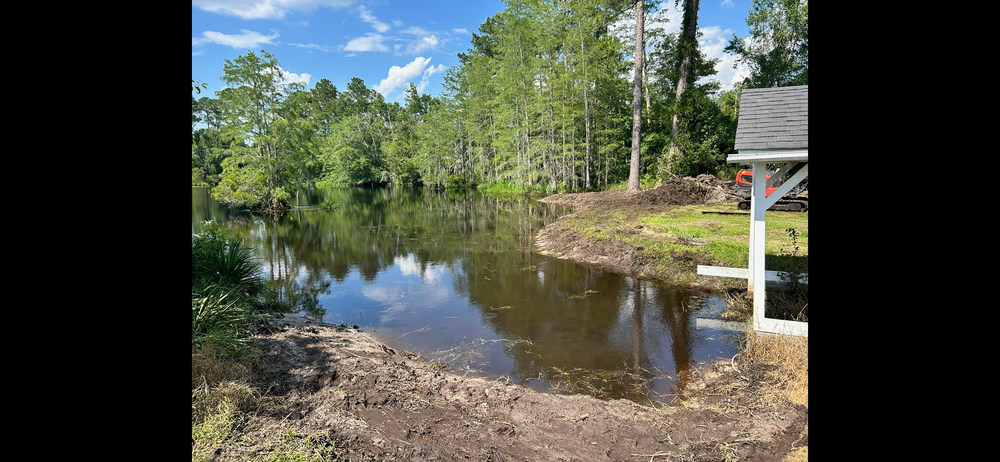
[{"x": 551, "y": 96}]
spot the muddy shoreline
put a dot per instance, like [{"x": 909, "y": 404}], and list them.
[
  {"x": 370, "y": 402},
  {"x": 356, "y": 399}
]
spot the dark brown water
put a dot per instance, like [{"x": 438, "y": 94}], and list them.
[{"x": 452, "y": 276}]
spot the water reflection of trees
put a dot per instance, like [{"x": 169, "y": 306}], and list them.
[
  {"x": 577, "y": 342},
  {"x": 372, "y": 227},
  {"x": 571, "y": 319}
]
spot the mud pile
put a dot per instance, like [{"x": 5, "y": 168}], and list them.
[
  {"x": 705, "y": 189},
  {"x": 362, "y": 401}
]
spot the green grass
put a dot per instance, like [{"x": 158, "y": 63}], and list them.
[
  {"x": 714, "y": 239},
  {"x": 646, "y": 182}
]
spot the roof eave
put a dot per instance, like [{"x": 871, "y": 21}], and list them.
[{"x": 749, "y": 156}]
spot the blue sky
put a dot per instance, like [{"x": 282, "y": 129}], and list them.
[{"x": 386, "y": 43}]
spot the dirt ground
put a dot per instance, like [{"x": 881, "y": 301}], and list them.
[
  {"x": 363, "y": 401},
  {"x": 706, "y": 189},
  {"x": 370, "y": 402}
]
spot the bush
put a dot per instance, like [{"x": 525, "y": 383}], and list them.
[
  {"x": 228, "y": 294},
  {"x": 221, "y": 315},
  {"x": 228, "y": 263},
  {"x": 456, "y": 182}
]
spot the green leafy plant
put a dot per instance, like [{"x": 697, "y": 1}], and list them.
[
  {"x": 221, "y": 261},
  {"x": 220, "y": 314}
]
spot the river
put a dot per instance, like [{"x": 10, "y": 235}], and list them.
[{"x": 452, "y": 277}]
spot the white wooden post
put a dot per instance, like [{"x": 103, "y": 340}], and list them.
[{"x": 758, "y": 229}]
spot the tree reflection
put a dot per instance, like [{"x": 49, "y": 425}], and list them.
[{"x": 564, "y": 322}]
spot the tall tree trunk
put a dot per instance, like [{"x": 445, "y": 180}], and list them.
[
  {"x": 633, "y": 174},
  {"x": 689, "y": 41},
  {"x": 586, "y": 111}
]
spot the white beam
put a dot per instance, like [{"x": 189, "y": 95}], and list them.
[
  {"x": 782, "y": 172},
  {"x": 742, "y": 273},
  {"x": 780, "y": 326},
  {"x": 787, "y": 186},
  {"x": 758, "y": 230}
]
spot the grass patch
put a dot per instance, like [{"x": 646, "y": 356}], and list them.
[
  {"x": 296, "y": 447},
  {"x": 680, "y": 234},
  {"x": 645, "y": 182}
]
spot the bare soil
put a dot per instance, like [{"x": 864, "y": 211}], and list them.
[
  {"x": 364, "y": 401},
  {"x": 370, "y": 402}
]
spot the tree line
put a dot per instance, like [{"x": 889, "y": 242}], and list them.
[{"x": 550, "y": 97}]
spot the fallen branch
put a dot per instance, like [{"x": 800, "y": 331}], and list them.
[{"x": 651, "y": 456}]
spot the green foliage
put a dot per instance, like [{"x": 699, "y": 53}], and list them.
[
  {"x": 218, "y": 260},
  {"x": 219, "y": 314},
  {"x": 778, "y": 49},
  {"x": 456, "y": 182},
  {"x": 541, "y": 102},
  {"x": 228, "y": 293},
  {"x": 269, "y": 155}
]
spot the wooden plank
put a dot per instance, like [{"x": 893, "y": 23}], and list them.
[
  {"x": 780, "y": 326},
  {"x": 742, "y": 273},
  {"x": 722, "y": 271},
  {"x": 721, "y": 324}
]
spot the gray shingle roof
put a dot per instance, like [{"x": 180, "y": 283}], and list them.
[{"x": 774, "y": 118}]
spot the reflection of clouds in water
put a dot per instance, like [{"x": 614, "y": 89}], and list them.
[
  {"x": 409, "y": 267},
  {"x": 392, "y": 297},
  {"x": 407, "y": 294}
]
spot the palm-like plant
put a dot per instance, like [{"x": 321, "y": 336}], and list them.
[
  {"x": 218, "y": 312},
  {"x": 230, "y": 263}
]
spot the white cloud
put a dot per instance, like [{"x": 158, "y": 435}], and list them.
[
  {"x": 366, "y": 16},
  {"x": 427, "y": 74},
  {"x": 248, "y": 39},
  {"x": 422, "y": 85},
  {"x": 423, "y": 44},
  {"x": 397, "y": 23},
  {"x": 265, "y": 9},
  {"x": 371, "y": 42},
  {"x": 713, "y": 44},
  {"x": 414, "y": 30},
  {"x": 313, "y": 46},
  {"x": 434, "y": 69},
  {"x": 460, "y": 30},
  {"x": 400, "y": 75},
  {"x": 291, "y": 77},
  {"x": 424, "y": 41},
  {"x": 727, "y": 4}
]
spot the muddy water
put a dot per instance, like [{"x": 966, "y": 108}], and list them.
[{"x": 452, "y": 276}]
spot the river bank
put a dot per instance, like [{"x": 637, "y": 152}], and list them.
[{"x": 330, "y": 392}]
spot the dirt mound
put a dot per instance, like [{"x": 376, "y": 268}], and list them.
[
  {"x": 705, "y": 189},
  {"x": 365, "y": 401}
]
